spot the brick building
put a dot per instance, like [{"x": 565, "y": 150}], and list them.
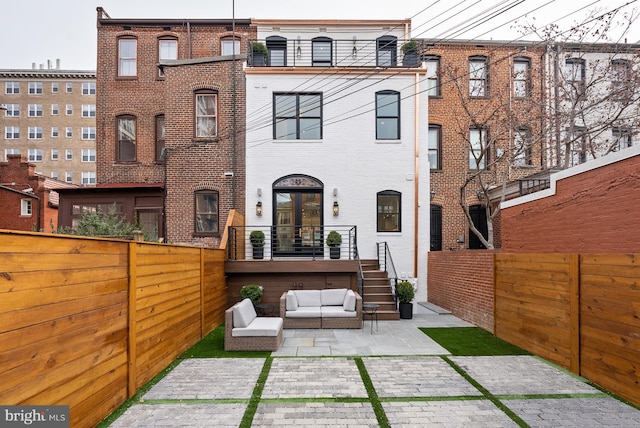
[
  {"x": 50, "y": 117},
  {"x": 485, "y": 116},
  {"x": 168, "y": 131}
]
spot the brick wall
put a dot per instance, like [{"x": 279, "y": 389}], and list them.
[
  {"x": 17, "y": 170},
  {"x": 462, "y": 282},
  {"x": 592, "y": 211}
]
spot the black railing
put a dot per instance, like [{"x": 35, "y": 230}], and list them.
[
  {"x": 385, "y": 262},
  {"x": 331, "y": 53},
  {"x": 290, "y": 241},
  {"x": 533, "y": 185}
]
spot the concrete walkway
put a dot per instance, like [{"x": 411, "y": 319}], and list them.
[{"x": 317, "y": 379}]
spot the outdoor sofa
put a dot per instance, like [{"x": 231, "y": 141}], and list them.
[
  {"x": 244, "y": 330},
  {"x": 327, "y": 308}
]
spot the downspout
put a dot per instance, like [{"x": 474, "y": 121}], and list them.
[
  {"x": 188, "y": 40},
  {"x": 234, "y": 150},
  {"x": 416, "y": 133}
]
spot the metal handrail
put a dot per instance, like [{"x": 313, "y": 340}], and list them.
[{"x": 385, "y": 264}]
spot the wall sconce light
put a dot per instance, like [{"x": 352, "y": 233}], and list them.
[
  {"x": 259, "y": 191},
  {"x": 460, "y": 239},
  {"x": 336, "y": 209},
  {"x": 259, "y": 209},
  {"x": 432, "y": 194},
  {"x": 335, "y": 191},
  {"x": 480, "y": 195},
  {"x": 298, "y": 49}
]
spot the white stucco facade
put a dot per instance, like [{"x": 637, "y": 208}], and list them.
[{"x": 349, "y": 162}]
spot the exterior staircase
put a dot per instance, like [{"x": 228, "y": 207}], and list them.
[{"x": 376, "y": 289}]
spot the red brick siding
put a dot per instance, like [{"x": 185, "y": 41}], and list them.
[
  {"x": 462, "y": 282},
  {"x": 591, "y": 212}
]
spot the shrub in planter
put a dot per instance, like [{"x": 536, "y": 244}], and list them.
[
  {"x": 257, "y": 241},
  {"x": 334, "y": 240},
  {"x": 252, "y": 292},
  {"x": 405, "y": 293},
  {"x": 411, "y": 54},
  {"x": 258, "y": 54}
]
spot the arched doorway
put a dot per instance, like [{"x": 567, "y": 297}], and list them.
[{"x": 297, "y": 216}]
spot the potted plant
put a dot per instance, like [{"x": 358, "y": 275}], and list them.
[
  {"x": 334, "y": 239},
  {"x": 257, "y": 241},
  {"x": 405, "y": 294},
  {"x": 258, "y": 54},
  {"x": 411, "y": 54},
  {"x": 252, "y": 292}
]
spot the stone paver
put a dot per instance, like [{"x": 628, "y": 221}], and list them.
[
  {"x": 314, "y": 378},
  {"x": 315, "y": 415},
  {"x": 575, "y": 412},
  {"x": 209, "y": 378},
  {"x": 521, "y": 375},
  {"x": 462, "y": 413},
  {"x": 181, "y": 415},
  {"x": 416, "y": 377}
]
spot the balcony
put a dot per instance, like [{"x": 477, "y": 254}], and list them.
[{"x": 384, "y": 52}]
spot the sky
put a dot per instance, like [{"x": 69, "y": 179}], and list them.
[{"x": 36, "y": 31}]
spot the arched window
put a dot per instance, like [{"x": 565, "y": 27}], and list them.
[
  {"x": 206, "y": 212},
  {"x": 387, "y": 115},
  {"x": 277, "y": 48},
  {"x": 167, "y": 51},
  {"x": 478, "y": 76},
  {"x": 387, "y": 51},
  {"x": 206, "y": 120},
  {"x": 230, "y": 45},
  {"x": 126, "y": 138},
  {"x": 389, "y": 211},
  {"x": 521, "y": 77},
  {"x": 127, "y": 57},
  {"x": 321, "y": 52}
]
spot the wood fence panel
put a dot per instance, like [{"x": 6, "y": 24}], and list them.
[
  {"x": 63, "y": 322},
  {"x": 215, "y": 290},
  {"x": 533, "y": 304},
  {"x": 610, "y": 317}
]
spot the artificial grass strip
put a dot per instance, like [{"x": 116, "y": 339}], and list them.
[
  {"x": 378, "y": 410},
  {"x": 249, "y": 413},
  {"x": 212, "y": 346},
  {"x": 471, "y": 341}
]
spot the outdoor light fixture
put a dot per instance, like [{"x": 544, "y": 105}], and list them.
[
  {"x": 480, "y": 195},
  {"x": 259, "y": 191},
  {"x": 259, "y": 208},
  {"x": 299, "y": 50},
  {"x": 432, "y": 194},
  {"x": 336, "y": 209}
]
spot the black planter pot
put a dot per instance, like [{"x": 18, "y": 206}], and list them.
[
  {"x": 406, "y": 310},
  {"x": 259, "y": 60},
  {"x": 258, "y": 252},
  {"x": 411, "y": 59},
  {"x": 334, "y": 252}
]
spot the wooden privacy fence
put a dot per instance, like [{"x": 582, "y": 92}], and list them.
[
  {"x": 579, "y": 311},
  {"x": 85, "y": 322}
]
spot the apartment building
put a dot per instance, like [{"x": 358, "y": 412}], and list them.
[
  {"x": 49, "y": 116},
  {"x": 169, "y": 153}
]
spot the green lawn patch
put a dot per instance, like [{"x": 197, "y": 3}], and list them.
[
  {"x": 212, "y": 346},
  {"x": 471, "y": 341}
]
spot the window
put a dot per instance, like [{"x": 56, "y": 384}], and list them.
[
  {"x": 621, "y": 79},
  {"x": 54, "y": 175},
  {"x": 521, "y": 77},
  {"x": 11, "y": 132},
  {"x": 69, "y": 109},
  {"x": 54, "y": 132},
  {"x": 127, "y": 57},
  {"x": 88, "y": 178},
  {"x": 88, "y": 110},
  {"x": 321, "y": 52},
  {"x": 35, "y": 110},
  {"x": 88, "y": 88},
  {"x": 10, "y": 152},
  {"x": 575, "y": 73},
  {"x": 478, "y": 76},
  {"x": 433, "y": 75},
  {"x": 35, "y": 88},
  {"x": 478, "y": 148},
  {"x": 54, "y": 87},
  {"x": 35, "y": 132},
  {"x": 436, "y": 228},
  {"x": 126, "y": 134},
  {"x": 54, "y": 109},
  {"x": 297, "y": 116},
  {"x": 13, "y": 110},
  {"x": 68, "y": 131},
  {"x": 69, "y": 87},
  {"x": 387, "y": 51},
  {"x": 68, "y": 154},
  {"x": 578, "y": 152},
  {"x": 621, "y": 139},
  {"x": 277, "y": 51},
  {"x": 435, "y": 147},
  {"x": 206, "y": 212},
  {"x": 35, "y": 155},
  {"x": 160, "y": 132},
  {"x": 522, "y": 147},
  {"x": 68, "y": 176},
  {"x": 230, "y": 46},
  {"x": 25, "y": 207},
  {"x": 88, "y": 133},
  {"x": 54, "y": 154},
  {"x": 387, "y": 115},
  {"x": 206, "y": 114},
  {"x": 167, "y": 50},
  {"x": 478, "y": 214},
  {"x": 88, "y": 155},
  {"x": 389, "y": 214},
  {"x": 11, "y": 87}
]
